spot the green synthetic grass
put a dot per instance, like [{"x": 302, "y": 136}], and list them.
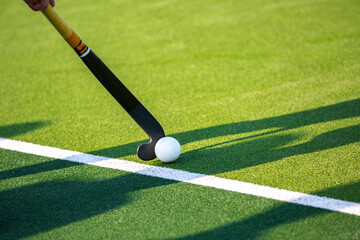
[
  {"x": 53, "y": 199},
  {"x": 259, "y": 91}
]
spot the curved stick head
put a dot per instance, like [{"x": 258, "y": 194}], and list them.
[
  {"x": 152, "y": 128},
  {"x": 146, "y": 151}
]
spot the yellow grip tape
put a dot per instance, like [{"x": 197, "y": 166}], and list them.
[
  {"x": 59, "y": 24},
  {"x": 65, "y": 30}
]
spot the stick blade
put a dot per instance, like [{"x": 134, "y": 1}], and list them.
[{"x": 146, "y": 151}]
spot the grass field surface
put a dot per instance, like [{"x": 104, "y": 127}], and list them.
[{"x": 263, "y": 92}]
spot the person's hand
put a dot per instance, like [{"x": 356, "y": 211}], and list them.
[{"x": 38, "y": 5}]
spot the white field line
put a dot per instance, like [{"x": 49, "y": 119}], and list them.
[{"x": 184, "y": 176}]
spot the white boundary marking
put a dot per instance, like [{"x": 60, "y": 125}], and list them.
[{"x": 184, "y": 176}]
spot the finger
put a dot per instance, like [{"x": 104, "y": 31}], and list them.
[
  {"x": 32, "y": 6},
  {"x": 30, "y": 1},
  {"x": 40, "y": 5}
]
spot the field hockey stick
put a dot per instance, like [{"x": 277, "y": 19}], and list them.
[{"x": 113, "y": 85}]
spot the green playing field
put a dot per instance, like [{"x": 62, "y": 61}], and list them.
[{"x": 263, "y": 92}]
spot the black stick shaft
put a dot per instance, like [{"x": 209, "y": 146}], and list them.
[
  {"x": 123, "y": 96},
  {"x": 115, "y": 87}
]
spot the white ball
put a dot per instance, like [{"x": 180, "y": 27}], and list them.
[{"x": 167, "y": 149}]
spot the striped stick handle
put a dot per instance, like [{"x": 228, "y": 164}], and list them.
[{"x": 65, "y": 31}]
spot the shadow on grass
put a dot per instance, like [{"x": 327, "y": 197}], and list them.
[
  {"x": 13, "y": 130},
  {"x": 267, "y": 149},
  {"x": 285, "y": 213},
  {"x": 16, "y": 129},
  {"x": 37, "y": 208},
  {"x": 33, "y": 169},
  {"x": 236, "y": 154},
  {"x": 258, "y": 148}
]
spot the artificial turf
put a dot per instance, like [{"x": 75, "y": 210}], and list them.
[
  {"x": 53, "y": 199},
  {"x": 259, "y": 91}
]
